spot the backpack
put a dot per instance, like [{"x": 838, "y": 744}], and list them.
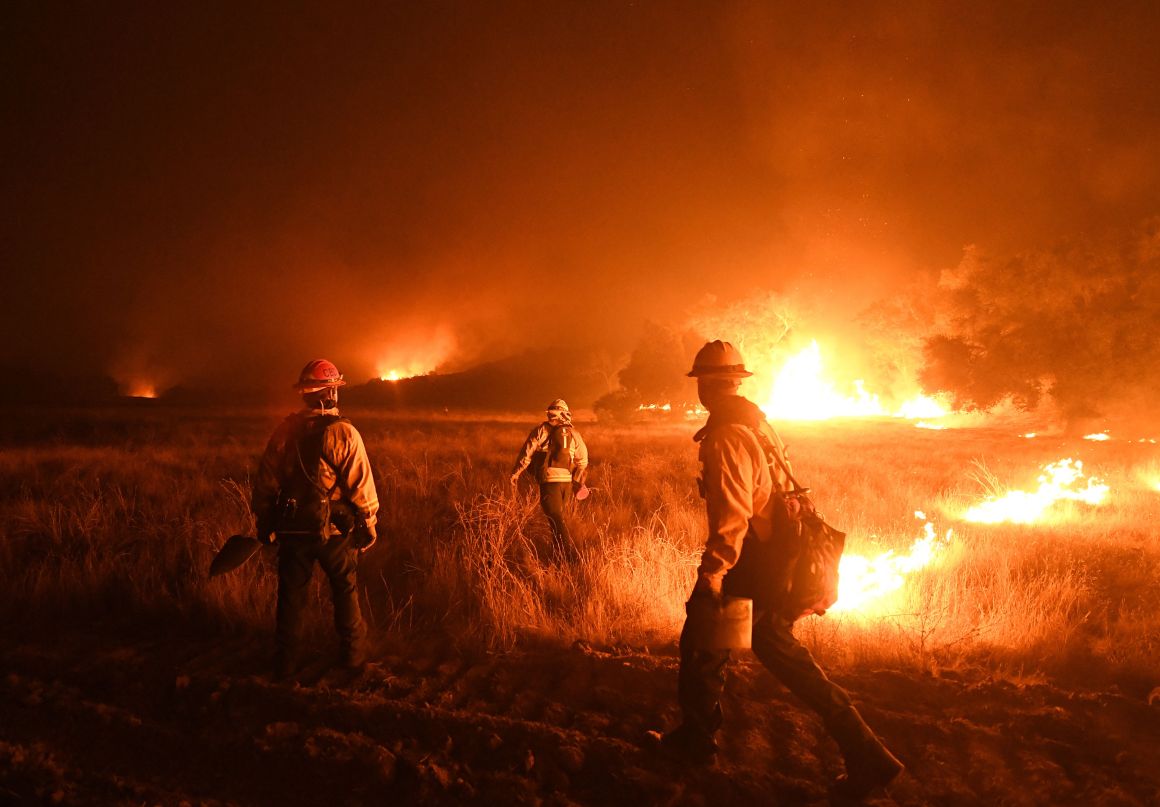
[
  {"x": 303, "y": 504},
  {"x": 560, "y": 442},
  {"x": 796, "y": 573},
  {"x": 815, "y": 547}
]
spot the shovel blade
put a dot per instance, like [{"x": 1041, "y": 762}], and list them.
[{"x": 233, "y": 554}]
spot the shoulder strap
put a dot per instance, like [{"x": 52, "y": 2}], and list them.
[
  {"x": 775, "y": 457},
  {"x": 316, "y": 428}
]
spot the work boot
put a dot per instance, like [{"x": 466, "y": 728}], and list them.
[
  {"x": 869, "y": 764},
  {"x": 873, "y": 770},
  {"x": 690, "y": 745},
  {"x": 353, "y": 658}
]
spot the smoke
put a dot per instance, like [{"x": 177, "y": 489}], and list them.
[{"x": 211, "y": 194}]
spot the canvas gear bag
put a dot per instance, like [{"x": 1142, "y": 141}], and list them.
[
  {"x": 796, "y": 573},
  {"x": 813, "y": 583},
  {"x": 303, "y": 504}
]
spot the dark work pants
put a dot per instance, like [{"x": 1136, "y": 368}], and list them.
[
  {"x": 702, "y": 676},
  {"x": 554, "y": 500},
  {"x": 296, "y": 557}
]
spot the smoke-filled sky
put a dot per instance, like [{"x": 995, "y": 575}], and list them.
[{"x": 203, "y": 191}]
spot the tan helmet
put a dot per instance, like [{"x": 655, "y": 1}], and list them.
[
  {"x": 318, "y": 375},
  {"x": 559, "y": 405},
  {"x": 719, "y": 359}
]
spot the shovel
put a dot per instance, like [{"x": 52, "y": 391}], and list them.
[{"x": 233, "y": 554}]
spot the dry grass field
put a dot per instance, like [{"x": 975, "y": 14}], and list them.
[{"x": 110, "y": 520}]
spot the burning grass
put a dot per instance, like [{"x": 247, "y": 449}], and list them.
[{"x": 117, "y": 518}]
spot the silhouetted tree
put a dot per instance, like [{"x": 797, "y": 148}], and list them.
[
  {"x": 656, "y": 369},
  {"x": 1080, "y": 323}
]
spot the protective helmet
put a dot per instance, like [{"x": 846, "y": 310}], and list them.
[
  {"x": 318, "y": 375},
  {"x": 719, "y": 359},
  {"x": 558, "y": 405}
]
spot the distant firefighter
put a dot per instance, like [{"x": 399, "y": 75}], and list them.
[
  {"x": 314, "y": 497},
  {"x": 556, "y": 453},
  {"x": 744, "y": 471}
]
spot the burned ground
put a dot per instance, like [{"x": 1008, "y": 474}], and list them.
[{"x": 1019, "y": 670}]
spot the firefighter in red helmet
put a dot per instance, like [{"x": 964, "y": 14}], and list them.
[{"x": 314, "y": 497}]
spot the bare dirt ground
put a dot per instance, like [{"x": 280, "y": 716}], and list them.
[{"x": 89, "y": 719}]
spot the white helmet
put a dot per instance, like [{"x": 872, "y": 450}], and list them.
[{"x": 719, "y": 360}]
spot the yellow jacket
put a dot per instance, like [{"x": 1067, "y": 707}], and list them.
[
  {"x": 737, "y": 483},
  {"x": 343, "y": 468}
]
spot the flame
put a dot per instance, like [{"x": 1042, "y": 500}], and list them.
[
  {"x": 416, "y": 350},
  {"x": 1060, "y": 481},
  {"x": 864, "y": 583},
  {"x": 1099, "y": 437},
  {"x": 922, "y": 424},
  {"x": 922, "y": 406},
  {"x": 655, "y": 408},
  {"x": 141, "y": 389},
  {"x": 1029, "y": 435},
  {"x": 411, "y": 370},
  {"x": 800, "y": 391}
]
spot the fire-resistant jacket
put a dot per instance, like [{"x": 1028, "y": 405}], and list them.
[
  {"x": 343, "y": 468},
  {"x": 538, "y": 441},
  {"x": 737, "y": 483}
]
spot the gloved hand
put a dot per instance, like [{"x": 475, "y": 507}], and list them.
[
  {"x": 703, "y": 612},
  {"x": 363, "y": 537},
  {"x": 265, "y": 532},
  {"x": 515, "y": 480}
]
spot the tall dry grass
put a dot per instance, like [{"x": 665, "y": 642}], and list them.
[{"x": 114, "y": 516}]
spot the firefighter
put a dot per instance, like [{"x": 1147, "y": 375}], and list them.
[
  {"x": 314, "y": 498},
  {"x": 739, "y": 486},
  {"x": 559, "y": 459}
]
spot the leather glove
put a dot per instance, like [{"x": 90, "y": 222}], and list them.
[
  {"x": 265, "y": 532},
  {"x": 515, "y": 480},
  {"x": 703, "y": 610},
  {"x": 363, "y": 537}
]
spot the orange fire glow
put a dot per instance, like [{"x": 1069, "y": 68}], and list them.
[
  {"x": 414, "y": 351},
  {"x": 141, "y": 389},
  {"x": 398, "y": 373},
  {"x": 864, "y": 584},
  {"x": 1060, "y": 481}
]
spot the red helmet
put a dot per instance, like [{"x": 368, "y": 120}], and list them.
[{"x": 318, "y": 375}]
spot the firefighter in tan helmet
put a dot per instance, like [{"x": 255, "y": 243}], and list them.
[
  {"x": 314, "y": 497},
  {"x": 558, "y": 457},
  {"x": 743, "y": 471}
]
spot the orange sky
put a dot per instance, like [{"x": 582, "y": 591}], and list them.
[{"x": 219, "y": 192}]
